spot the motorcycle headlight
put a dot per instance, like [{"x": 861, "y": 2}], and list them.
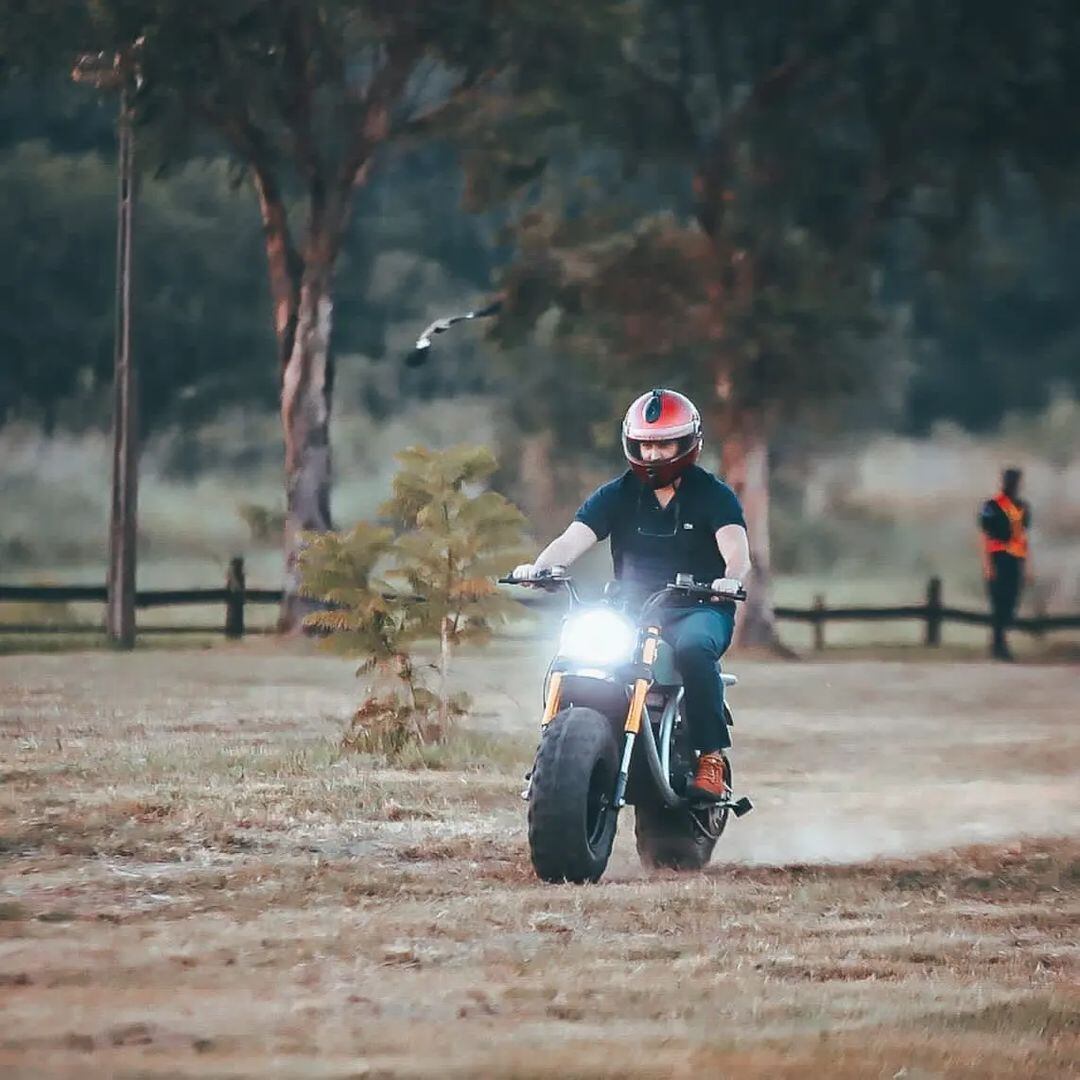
[{"x": 598, "y": 637}]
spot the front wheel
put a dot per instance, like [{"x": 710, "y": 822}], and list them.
[
  {"x": 572, "y": 815},
  {"x": 681, "y": 839}
]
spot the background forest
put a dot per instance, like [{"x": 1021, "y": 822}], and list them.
[{"x": 851, "y": 235}]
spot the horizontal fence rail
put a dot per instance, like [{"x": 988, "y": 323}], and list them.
[
  {"x": 144, "y": 599},
  {"x": 235, "y": 596}
]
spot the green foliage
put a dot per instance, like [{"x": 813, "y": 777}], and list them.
[
  {"x": 451, "y": 541},
  {"x": 807, "y": 145},
  {"x": 454, "y": 543},
  {"x": 808, "y": 138},
  {"x": 197, "y": 297},
  {"x": 338, "y": 569},
  {"x": 201, "y": 333},
  {"x": 309, "y": 101}
]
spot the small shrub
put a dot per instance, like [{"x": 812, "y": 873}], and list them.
[{"x": 438, "y": 565}]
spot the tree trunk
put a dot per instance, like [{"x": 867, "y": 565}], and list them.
[
  {"x": 444, "y": 676},
  {"x": 306, "y": 392},
  {"x": 746, "y": 469},
  {"x": 537, "y": 477}
]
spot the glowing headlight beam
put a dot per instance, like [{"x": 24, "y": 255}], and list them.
[{"x": 598, "y": 637}]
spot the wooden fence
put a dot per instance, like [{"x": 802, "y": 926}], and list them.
[
  {"x": 235, "y": 596},
  {"x": 932, "y": 613}
]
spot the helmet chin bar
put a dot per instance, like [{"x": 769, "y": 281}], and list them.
[{"x": 660, "y": 474}]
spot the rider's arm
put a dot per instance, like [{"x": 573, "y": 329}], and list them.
[
  {"x": 565, "y": 549},
  {"x": 591, "y": 524},
  {"x": 735, "y": 548}
]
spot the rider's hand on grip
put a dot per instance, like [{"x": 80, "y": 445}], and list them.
[
  {"x": 524, "y": 574},
  {"x": 539, "y": 577},
  {"x": 726, "y": 586}
]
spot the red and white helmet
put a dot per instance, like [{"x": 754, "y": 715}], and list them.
[{"x": 661, "y": 416}]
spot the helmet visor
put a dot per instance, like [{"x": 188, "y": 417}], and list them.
[{"x": 633, "y": 449}]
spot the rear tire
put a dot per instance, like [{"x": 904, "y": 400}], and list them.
[
  {"x": 673, "y": 839},
  {"x": 571, "y": 813}
]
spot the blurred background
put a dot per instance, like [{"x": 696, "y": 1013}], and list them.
[{"x": 853, "y": 237}]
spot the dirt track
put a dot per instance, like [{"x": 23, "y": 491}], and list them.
[{"x": 193, "y": 883}]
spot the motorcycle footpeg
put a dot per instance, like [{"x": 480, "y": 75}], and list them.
[{"x": 739, "y": 807}]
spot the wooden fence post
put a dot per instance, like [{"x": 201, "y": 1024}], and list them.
[
  {"x": 933, "y": 611},
  {"x": 234, "y": 601},
  {"x": 819, "y": 622}
]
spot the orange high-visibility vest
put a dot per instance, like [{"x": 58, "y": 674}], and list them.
[{"x": 1017, "y": 544}]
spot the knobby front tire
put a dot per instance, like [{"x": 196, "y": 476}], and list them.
[{"x": 571, "y": 816}]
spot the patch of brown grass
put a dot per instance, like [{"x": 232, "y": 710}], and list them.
[{"x": 186, "y": 901}]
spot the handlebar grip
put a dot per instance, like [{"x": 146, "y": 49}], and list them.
[{"x": 541, "y": 581}]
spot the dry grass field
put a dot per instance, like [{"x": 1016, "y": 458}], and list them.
[{"x": 195, "y": 883}]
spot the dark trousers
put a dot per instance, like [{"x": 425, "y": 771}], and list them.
[
  {"x": 1004, "y": 589},
  {"x": 700, "y": 636}
]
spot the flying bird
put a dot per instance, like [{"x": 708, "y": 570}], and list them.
[{"x": 420, "y": 350}]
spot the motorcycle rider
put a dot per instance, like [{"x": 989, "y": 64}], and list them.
[{"x": 666, "y": 515}]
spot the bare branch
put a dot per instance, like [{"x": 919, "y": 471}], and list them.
[
  {"x": 297, "y": 103},
  {"x": 284, "y": 263},
  {"x": 373, "y": 111}
]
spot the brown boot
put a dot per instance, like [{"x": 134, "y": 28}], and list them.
[{"x": 708, "y": 781}]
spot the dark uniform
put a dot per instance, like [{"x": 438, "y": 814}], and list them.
[
  {"x": 650, "y": 544},
  {"x": 1004, "y": 521}
]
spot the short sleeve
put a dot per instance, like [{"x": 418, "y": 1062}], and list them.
[
  {"x": 598, "y": 510},
  {"x": 724, "y": 507}
]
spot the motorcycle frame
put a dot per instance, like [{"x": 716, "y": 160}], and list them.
[
  {"x": 638, "y": 720},
  {"x": 657, "y": 747}
]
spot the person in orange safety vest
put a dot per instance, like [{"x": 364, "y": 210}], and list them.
[{"x": 1004, "y": 520}]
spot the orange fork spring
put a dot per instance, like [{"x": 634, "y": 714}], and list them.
[
  {"x": 551, "y": 706},
  {"x": 641, "y": 686},
  {"x": 637, "y": 703}
]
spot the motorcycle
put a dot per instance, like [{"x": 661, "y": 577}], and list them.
[{"x": 614, "y": 676}]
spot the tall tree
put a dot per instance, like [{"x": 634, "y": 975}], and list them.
[
  {"x": 807, "y": 132},
  {"x": 309, "y": 98},
  {"x": 823, "y": 124}
]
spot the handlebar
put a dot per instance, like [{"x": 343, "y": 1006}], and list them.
[
  {"x": 683, "y": 585},
  {"x": 704, "y": 592},
  {"x": 544, "y": 578},
  {"x": 547, "y": 579}
]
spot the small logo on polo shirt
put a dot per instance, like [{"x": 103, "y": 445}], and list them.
[{"x": 688, "y": 524}]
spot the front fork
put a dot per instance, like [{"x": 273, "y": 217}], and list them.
[{"x": 650, "y": 642}]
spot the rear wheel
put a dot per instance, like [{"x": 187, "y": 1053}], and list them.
[
  {"x": 571, "y": 813},
  {"x": 681, "y": 839}
]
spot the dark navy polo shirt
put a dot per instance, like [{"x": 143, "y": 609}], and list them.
[{"x": 650, "y": 544}]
